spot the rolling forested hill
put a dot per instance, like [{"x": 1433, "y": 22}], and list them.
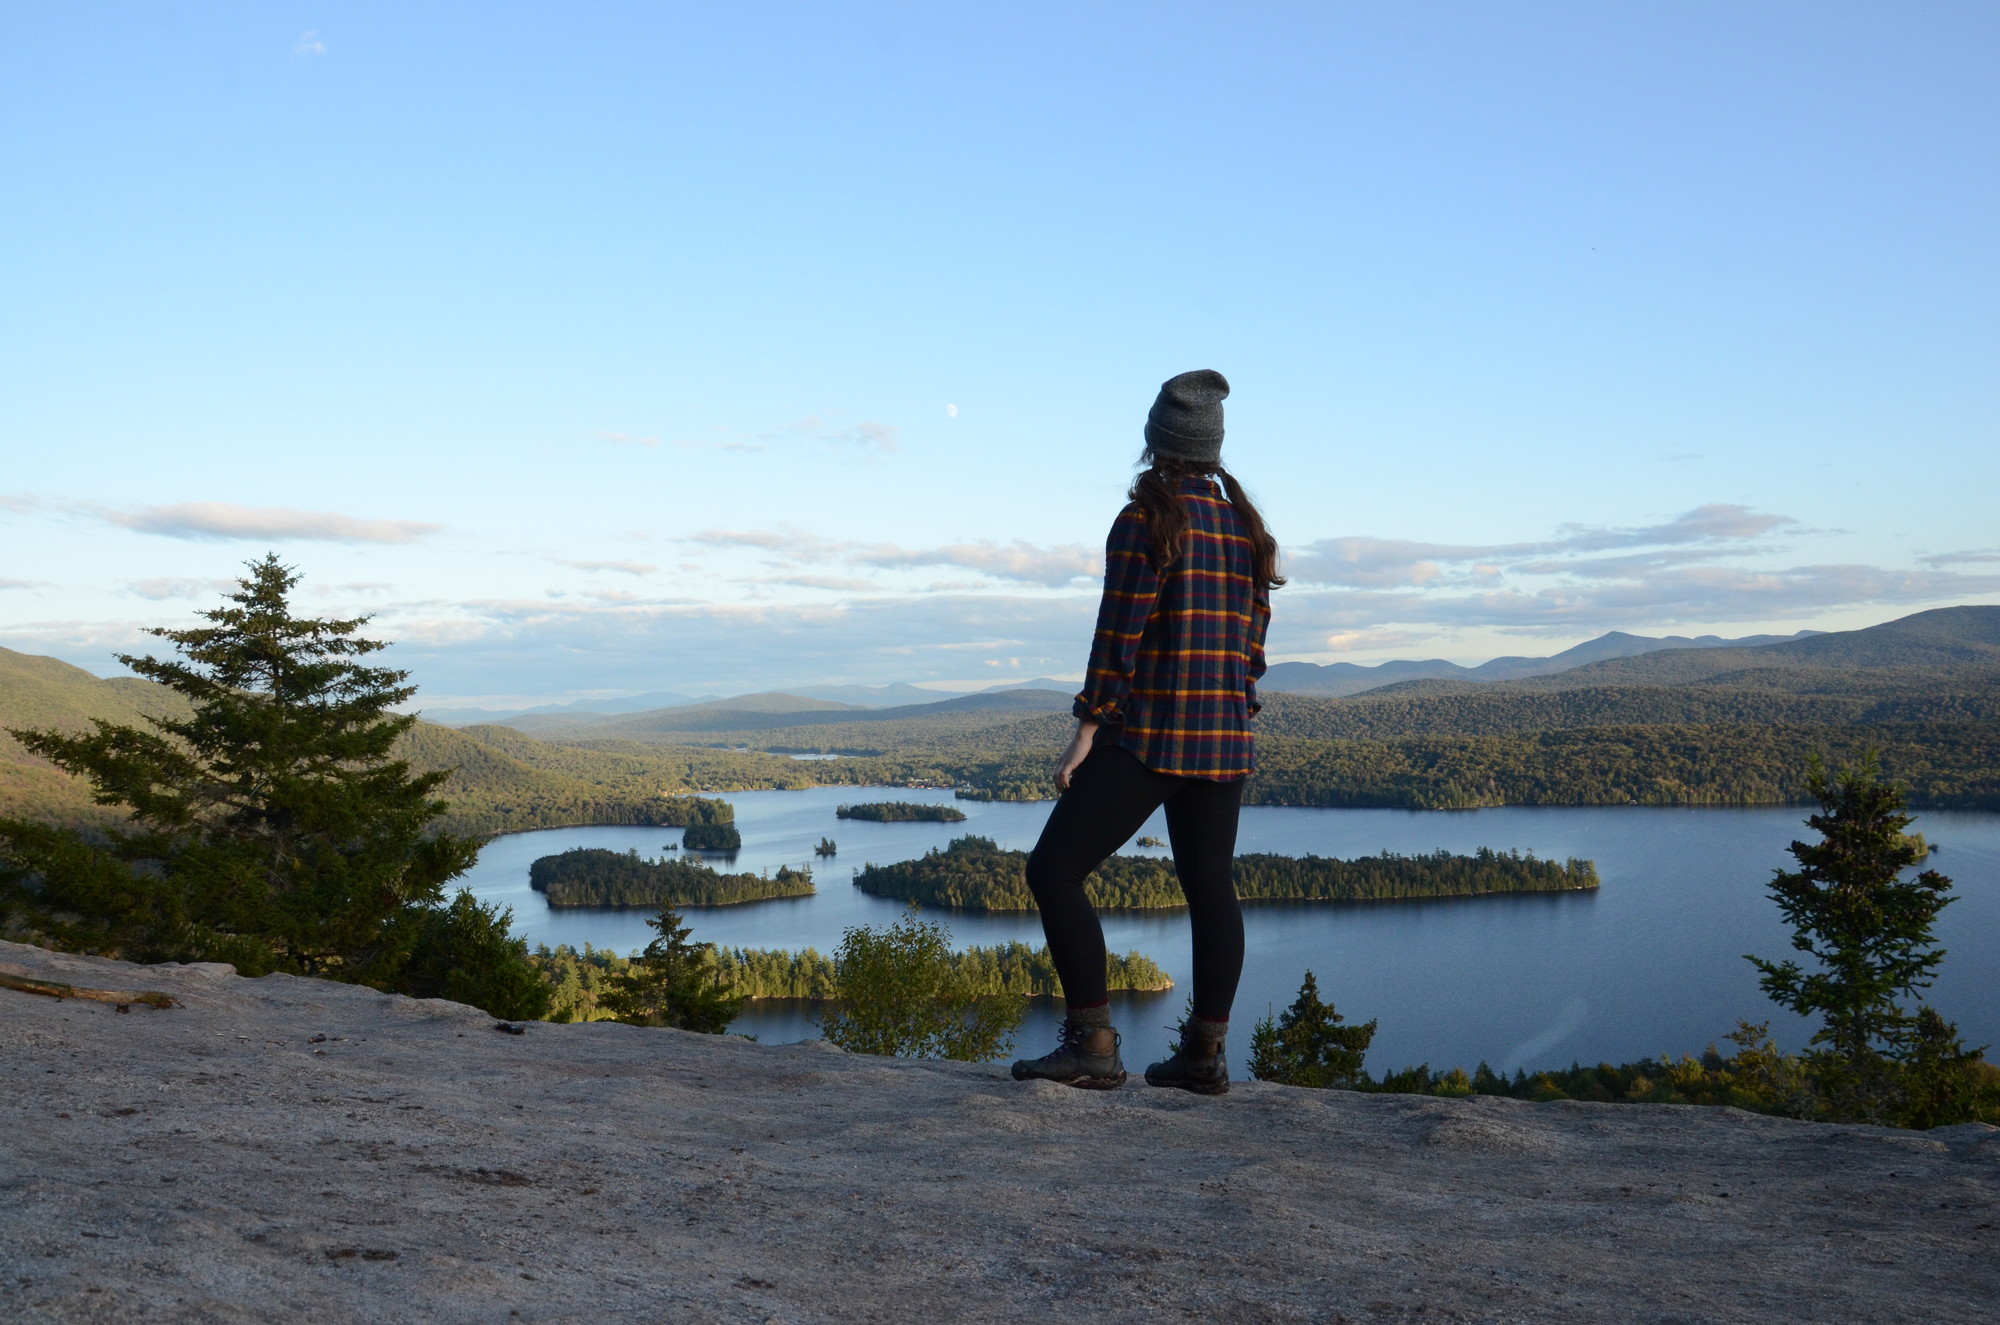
[
  {"x": 502, "y": 780},
  {"x": 1727, "y": 726},
  {"x": 38, "y": 692}
]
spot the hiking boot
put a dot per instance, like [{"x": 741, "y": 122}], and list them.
[
  {"x": 1085, "y": 1056},
  {"x": 1197, "y": 1065}
]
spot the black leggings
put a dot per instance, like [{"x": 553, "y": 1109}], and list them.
[{"x": 1109, "y": 797}]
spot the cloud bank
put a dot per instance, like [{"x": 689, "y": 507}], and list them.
[
  {"x": 211, "y": 520},
  {"x": 1019, "y": 561}
]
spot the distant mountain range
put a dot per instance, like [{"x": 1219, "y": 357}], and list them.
[
  {"x": 1297, "y": 678},
  {"x": 1928, "y": 638},
  {"x": 1337, "y": 679},
  {"x": 896, "y": 694},
  {"x": 1729, "y": 723}
]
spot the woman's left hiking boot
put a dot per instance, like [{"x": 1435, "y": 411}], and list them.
[
  {"x": 1085, "y": 1057},
  {"x": 1197, "y": 1064}
]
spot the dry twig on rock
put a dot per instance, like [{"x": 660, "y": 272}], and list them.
[{"x": 124, "y": 998}]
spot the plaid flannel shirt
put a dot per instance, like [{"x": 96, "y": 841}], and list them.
[{"x": 1174, "y": 665}]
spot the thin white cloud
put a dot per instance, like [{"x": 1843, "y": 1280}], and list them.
[
  {"x": 867, "y": 433},
  {"x": 1974, "y": 556},
  {"x": 23, "y": 584},
  {"x": 309, "y": 43},
  {"x": 1697, "y": 594},
  {"x": 166, "y": 587},
  {"x": 214, "y": 520},
  {"x": 1718, "y": 520},
  {"x": 627, "y": 439},
  {"x": 1383, "y": 563},
  {"x": 1018, "y": 561},
  {"x": 622, "y": 567},
  {"x": 836, "y": 583}
]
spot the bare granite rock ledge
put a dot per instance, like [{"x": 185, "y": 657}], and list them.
[{"x": 286, "y": 1149}]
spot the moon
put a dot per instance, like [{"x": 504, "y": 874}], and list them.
[{"x": 951, "y": 411}]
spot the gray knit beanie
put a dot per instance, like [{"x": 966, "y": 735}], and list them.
[{"x": 1186, "y": 420}]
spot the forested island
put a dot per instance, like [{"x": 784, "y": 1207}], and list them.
[
  {"x": 974, "y": 874},
  {"x": 902, "y": 812},
  {"x": 711, "y": 837},
  {"x": 578, "y": 977},
  {"x": 592, "y": 876}
]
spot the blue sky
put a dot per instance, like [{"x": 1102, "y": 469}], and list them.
[{"x": 609, "y": 348}]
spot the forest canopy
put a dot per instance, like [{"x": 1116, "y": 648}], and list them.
[{"x": 1009, "y": 968}]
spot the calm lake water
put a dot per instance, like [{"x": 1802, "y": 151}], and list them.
[{"x": 1650, "y": 963}]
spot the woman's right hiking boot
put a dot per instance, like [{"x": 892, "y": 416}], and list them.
[
  {"x": 1085, "y": 1057},
  {"x": 1197, "y": 1064}
]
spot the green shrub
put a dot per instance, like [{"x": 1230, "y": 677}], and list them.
[{"x": 900, "y": 994}]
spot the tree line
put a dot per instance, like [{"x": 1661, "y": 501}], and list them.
[
  {"x": 580, "y": 979},
  {"x": 593, "y": 876},
  {"x": 1946, "y": 764},
  {"x": 975, "y": 874}
]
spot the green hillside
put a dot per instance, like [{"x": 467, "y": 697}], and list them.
[
  {"x": 502, "y": 780},
  {"x": 1727, "y": 726},
  {"x": 47, "y": 692}
]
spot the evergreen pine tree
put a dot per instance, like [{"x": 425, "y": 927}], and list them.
[
  {"x": 1868, "y": 928},
  {"x": 272, "y": 827},
  {"x": 1307, "y": 1045},
  {"x": 673, "y": 983}
]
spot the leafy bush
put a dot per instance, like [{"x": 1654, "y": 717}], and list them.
[
  {"x": 899, "y": 993},
  {"x": 463, "y": 952}
]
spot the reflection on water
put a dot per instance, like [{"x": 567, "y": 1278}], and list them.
[{"x": 1651, "y": 963}]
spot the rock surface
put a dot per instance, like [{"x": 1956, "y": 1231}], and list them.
[{"x": 287, "y": 1149}]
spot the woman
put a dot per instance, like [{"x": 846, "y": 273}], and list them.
[{"x": 1163, "y": 719}]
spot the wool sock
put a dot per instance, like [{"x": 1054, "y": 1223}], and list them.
[
  {"x": 1096, "y": 1017},
  {"x": 1211, "y": 1029}
]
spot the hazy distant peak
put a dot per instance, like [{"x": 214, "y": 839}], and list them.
[{"x": 1354, "y": 678}]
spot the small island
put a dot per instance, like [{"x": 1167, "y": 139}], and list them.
[
  {"x": 902, "y": 812},
  {"x": 974, "y": 874},
  {"x": 826, "y": 847},
  {"x": 592, "y": 876},
  {"x": 1149, "y": 841},
  {"x": 711, "y": 837}
]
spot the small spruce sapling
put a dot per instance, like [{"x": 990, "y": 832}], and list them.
[
  {"x": 1307, "y": 1046},
  {"x": 674, "y": 982},
  {"x": 1868, "y": 929}
]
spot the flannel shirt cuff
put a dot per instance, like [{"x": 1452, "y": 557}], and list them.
[{"x": 1110, "y": 713}]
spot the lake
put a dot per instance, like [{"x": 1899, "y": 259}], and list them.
[{"x": 1650, "y": 963}]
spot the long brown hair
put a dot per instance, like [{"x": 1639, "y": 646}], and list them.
[{"x": 1157, "y": 491}]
